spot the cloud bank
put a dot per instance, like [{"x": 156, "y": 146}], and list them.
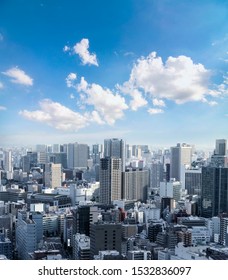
[{"x": 152, "y": 84}]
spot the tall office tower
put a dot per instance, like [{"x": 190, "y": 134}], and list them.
[
  {"x": 28, "y": 161},
  {"x": 58, "y": 158},
  {"x": 156, "y": 174},
  {"x": 8, "y": 161},
  {"x": 56, "y": 148},
  {"x": 37, "y": 217},
  {"x": 83, "y": 216},
  {"x": 77, "y": 155},
  {"x": 115, "y": 148},
  {"x": 26, "y": 236},
  {"x": 105, "y": 236},
  {"x": 214, "y": 191},
  {"x": 70, "y": 156},
  {"x": 42, "y": 157},
  {"x": 134, "y": 150},
  {"x": 128, "y": 151},
  {"x": 181, "y": 155},
  {"x": 110, "y": 179},
  {"x": 97, "y": 153},
  {"x": 1, "y": 159},
  {"x": 220, "y": 147},
  {"x": 170, "y": 189},
  {"x": 81, "y": 155},
  {"x": 135, "y": 184},
  {"x": 167, "y": 172},
  {"x": 219, "y": 158},
  {"x": 41, "y": 148},
  {"x": 53, "y": 175},
  {"x": 192, "y": 181}
]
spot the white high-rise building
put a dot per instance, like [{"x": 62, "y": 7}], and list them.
[
  {"x": 181, "y": 155},
  {"x": 8, "y": 162},
  {"x": 170, "y": 189}
]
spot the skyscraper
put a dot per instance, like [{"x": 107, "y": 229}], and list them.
[
  {"x": 77, "y": 155},
  {"x": 220, "y": 147},
  {"x": 181, "y": 155},
  {"x": 219, "y": 158},
  {"x": 135, "y": 184},
  {"x": 214, "y": 191},
  {"x": 110, "y": 179},
  {"x": 115, "y": 148},
  {"x": 53, "y": 175}
]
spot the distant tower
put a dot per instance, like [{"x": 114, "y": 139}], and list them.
[
  {"x": 220, "y": 147},
  {"x": 8, "y": 164},
  {"x": 219, "y": 158},
  {"x": 115, "y": 148},
  {"x": 181, "y": 155}
]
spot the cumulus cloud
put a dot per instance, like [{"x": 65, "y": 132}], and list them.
[
  {"x": 178, "y": 79},
  {"x": 158, "y": 102},
  {"x": 109, "y": 106},
  {"x": 18, "y": 76},
  {"x": 137, "y": 100},
  {"x": 82, "y": 49},
  {"x": 154, "y": 111},
  {"x": 56, "y": 115},
  {"x": 70, "y": 79}
]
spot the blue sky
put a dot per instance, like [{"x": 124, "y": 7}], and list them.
[{"x": 150, "y": 72}]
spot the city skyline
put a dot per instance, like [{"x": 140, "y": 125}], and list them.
[{"x": 149, "y": 72}]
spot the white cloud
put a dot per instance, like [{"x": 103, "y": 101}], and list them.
[
  {"x": 2, "y": 108},
  {"x": 137, "y": 98},
  {"x": 178, "y": 79},
  {"x": 81, "y": 49},
  {"x": 1, "y": 85},
  {"x": 72, "y": 96},
  {"x": 66, "y": 49},
  {"x": 70, "y": 79},
  {"x": 154, "y": 111},
  {"x": 56, "y": 115},
  {"x": 18, "y": 76},
  {"x": 110, "y": 106},
  {"x": 158, "y": 102},
  {"x": 95, "y": 117}
]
